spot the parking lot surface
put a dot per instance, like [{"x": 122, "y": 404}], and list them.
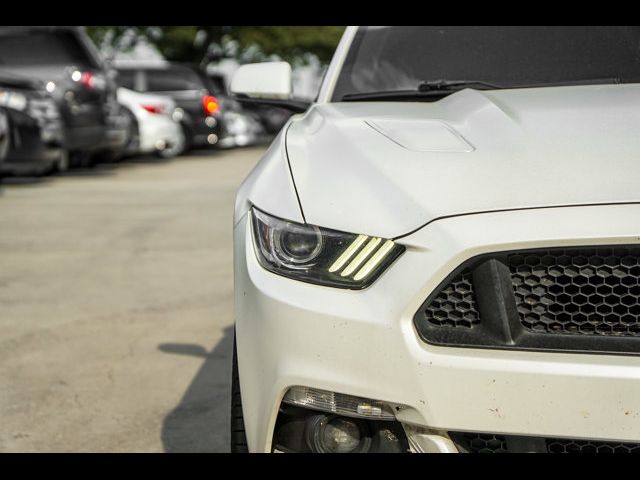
[{"x": 116, "y": 306}]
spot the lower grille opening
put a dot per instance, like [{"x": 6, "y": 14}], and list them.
[
  {"x": 561, "y": 299},
  {"x": 585, "y": 291},
  {"x": 469, "y": 442}
]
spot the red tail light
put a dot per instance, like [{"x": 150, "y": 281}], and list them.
[
  {"x": 210, "y": 104},
  {"x": 153, "y": 108},
  {"x": 86, "y": 79}
]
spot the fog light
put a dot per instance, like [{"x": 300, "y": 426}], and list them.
[
  {"x": 341, "y": 435},
  {"x": 212, "y": 138},
  {"x": 210, "y": 122},
  {"x": 333, "y": 434},
  {"x": 339, "y": 403}
]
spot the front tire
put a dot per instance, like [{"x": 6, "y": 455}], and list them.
[{"x": 238, "y": 434}]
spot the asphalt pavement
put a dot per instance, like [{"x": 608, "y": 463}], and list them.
[{"x": 116, "y": 306}]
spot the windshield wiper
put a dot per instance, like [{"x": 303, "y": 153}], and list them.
[
  {"x": 440, "y": 88},
  {"x": 444, "y": 85},
  {"x": 426, "y": 89}
]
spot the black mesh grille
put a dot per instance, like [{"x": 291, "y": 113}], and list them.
[
  {"x": 579, "y": 299},
  {"x": 455, "y": 304},
  {"x": 482, "y": 443},
  {"x": 556, "y": 445},
  {"x": 495, "y": 443},
  {"x": 588, "y": 291}
]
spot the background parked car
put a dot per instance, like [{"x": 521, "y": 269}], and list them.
[
  {"x": 241, "y": 129},
  {"x": 272, "y": 119},
  {"x": 33, "y": 128},
  {"x": 155, "y": 126},
  {"x": 201, "y": 120},
  {"x": 71, "y": 69}
]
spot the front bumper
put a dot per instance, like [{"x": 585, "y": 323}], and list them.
[
  {"x": 34, "y": 150},
  {"x": 364, "y": 343}
]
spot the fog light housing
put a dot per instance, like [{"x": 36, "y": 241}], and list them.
[
  {"x": 339, "y": 403},
  {"x": 335, "y": 434}
]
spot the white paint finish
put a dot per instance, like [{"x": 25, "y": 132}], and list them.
[
  {"x": 533, "y": 148},
  {"x": 422, "y": 135},
  {"x": 269, "y": 186},
  {"x": 364, "y": 343},
  {"x": 263, "y": 80}
]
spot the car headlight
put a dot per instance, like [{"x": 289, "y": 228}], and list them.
[
  {"x": 319, "y": 255},
  {"x": 13, "y": 100}
]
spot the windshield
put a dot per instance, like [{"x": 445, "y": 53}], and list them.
[
  {"x": 173, "y": 79},
  {"x": 388, "y": 59}
]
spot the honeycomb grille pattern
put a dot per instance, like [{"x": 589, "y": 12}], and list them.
[
  {"x": 492, "y": 443},
  {"x": 485, "y": 443},
  {"x": 454, "y": 305},
  {"x": 587, "y": 446},
  {"x": 589, "y": 291}
]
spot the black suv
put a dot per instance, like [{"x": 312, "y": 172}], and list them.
[
  {"x": 71, "y": 69},
  {"x": 34, "y": 128},
  {"x": 200, "y": 110}
]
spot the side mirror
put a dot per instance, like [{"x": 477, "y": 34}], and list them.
[
  {"x": 268, "y": 83},
  {"x": 263, "y": 80}
]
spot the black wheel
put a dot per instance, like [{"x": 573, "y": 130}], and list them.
[
  {"x": 238, "y": 435},
  {"x": 188, "y": 137},
  {"x": 106, "y": 156},
  {"x": 80, "y": 160},
  {"x": 133, "y": 134}
]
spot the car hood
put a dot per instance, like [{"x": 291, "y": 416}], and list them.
[{"x": 388, "y": 168}]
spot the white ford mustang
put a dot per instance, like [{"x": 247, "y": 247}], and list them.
[{"x": 442, "y": 253}]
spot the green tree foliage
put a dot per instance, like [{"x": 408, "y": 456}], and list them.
[{"x": 192, "y": 43}]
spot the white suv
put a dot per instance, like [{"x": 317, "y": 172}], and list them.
[{"x": 442, "y": 254}]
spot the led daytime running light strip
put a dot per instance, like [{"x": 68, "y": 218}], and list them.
[{"x": 375, "y": 250}]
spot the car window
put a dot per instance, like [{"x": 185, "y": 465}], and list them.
[
  {"x": 217, "y": 84},
  {"x": 383, "y": 59},
  {"x": 43, "y": 48},
  {"x": 173, "y": 79}
]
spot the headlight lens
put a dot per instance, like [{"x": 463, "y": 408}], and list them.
[
  {"x": 13, "y": 100},
  {"x": 319, "y": 255}
]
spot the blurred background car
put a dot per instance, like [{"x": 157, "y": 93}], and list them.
[
  {"x": 33, "y": 128},
  {"x": 201, "y": 120},
  {"x": 242, "y": 129},
  {"x": 155, "y": 126},
  {"x": 69, "y": 66},
  {"x": 272, "y": 119}
]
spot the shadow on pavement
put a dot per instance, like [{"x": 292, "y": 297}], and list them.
[
  {"x": 100, "y": 170},
  {"x": 200, "y": 422},
  {"x": 22, "y": 181}
]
